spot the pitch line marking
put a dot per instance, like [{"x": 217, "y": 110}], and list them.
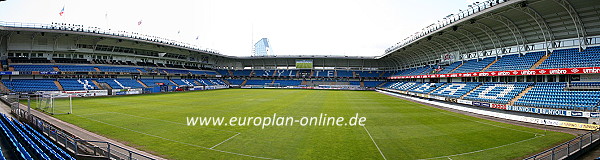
[
  {"x": 159, "y": 120},
  {"x": 374, "y": 143},
  {"x": 94, "y": 113},
  {"x": 535, "y": 134},
  {"x": 224, "y": 141},
  {"x": 447, "y": 113},
  {"x": 477, "y": 151},
  {"x": 189, "y": 144}
]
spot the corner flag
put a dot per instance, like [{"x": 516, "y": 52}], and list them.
[{"x": 62, "y": 11}]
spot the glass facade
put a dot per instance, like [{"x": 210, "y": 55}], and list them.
[{"x": 262, "y": 48}]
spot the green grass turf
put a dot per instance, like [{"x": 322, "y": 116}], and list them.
[
  {"x": 304, "y": 65},
  {"x": 402, "y": 129}
]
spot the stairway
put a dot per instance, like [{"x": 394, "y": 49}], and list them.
[
  {"x": 274, "y": 73},
  {"x": 59, "y": 86},
  {"x": 437, "y": 88},
  {"x": 512, "y": 101},
  {"x": 139, "y": 71},
  {"x": 56, "y": 69},
  {"x": 230, "y": 72},
  {"x": 304, "y": 83},
  {"x": 460, "y": 65},
  {"x": 173, "y": 82},
  {"x": 382, "y": 84},
  {"x": 538, "y": 63},
  {"x": 142, "y": 83},
  {"x": 3, "y": 88},
  {"x": 381, "y": 74},
  {"x": 106, "y": 86},
  {"x": 97, "y": 69},
  {"x": 11, "y": 68},
  {"x": 463, "y": 96},
  {"x": 98, "y": 84},
  {"x": 200, "y": 84},
  {"x": 489, "y": 65},
  {"x": 362, "y": 84},
  {"x": 311, "y": 73},
  {"x": 226, "y": 82},
  {"x": 244, "y": 83}
]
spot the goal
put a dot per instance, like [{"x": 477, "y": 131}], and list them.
[
  {"x": 272, "y": 85},
  {"x": 55, "y": 103}
]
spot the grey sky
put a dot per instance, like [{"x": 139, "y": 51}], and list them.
[{"x": 331, "y": 27}]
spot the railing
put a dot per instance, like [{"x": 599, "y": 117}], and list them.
[
  {"x": 97, "y": 30},
  {"x": 569, "y": 148},
  {"x": 79, "y": 147},
  {"x": 108, "y": 150}
]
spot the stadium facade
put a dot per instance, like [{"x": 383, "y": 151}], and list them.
[{"x": 533, "y": 56}]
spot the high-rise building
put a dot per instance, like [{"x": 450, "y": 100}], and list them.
[{"x": 262, "y": 48}]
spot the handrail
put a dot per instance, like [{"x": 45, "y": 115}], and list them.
[{"x": 572, "y": 146}]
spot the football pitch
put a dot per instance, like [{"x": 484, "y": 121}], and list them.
[{"x": 394, "y": 128}]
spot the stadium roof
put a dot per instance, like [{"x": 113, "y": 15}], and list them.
[
  {"x": 500, "y": 27},
  {"x": 489, "y": 28}
]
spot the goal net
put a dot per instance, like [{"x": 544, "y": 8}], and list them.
[
  {"x": 272, "y": 85},
  {"x": 55, "y": 103}
]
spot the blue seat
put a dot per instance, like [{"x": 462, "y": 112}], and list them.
[
  {"x": 455, "y": 90},
  {"x": 30, "y": 85},
  {"x": 77, "y": 84},
  {"x": 554, "y": 95},
  {"x": 155, "y": 82},
  {"x": 16, "y": 139},
  {"x": 236, "y": 81},
  {"x": 56, "y": 149}
]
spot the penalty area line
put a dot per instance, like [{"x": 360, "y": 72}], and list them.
[
  {"x": 374, "y": 143},
  {"x": 225, "y": 141},
  {"x": 185, "y": 143}
]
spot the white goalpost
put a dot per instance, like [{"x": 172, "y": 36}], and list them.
[
  {"x": 55, "y": 103},
  {"x": 272, "y": 85}
]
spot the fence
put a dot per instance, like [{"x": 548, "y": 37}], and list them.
[
  {"x": 565, "y": 150},
  {"x": 79, "y": 147}
]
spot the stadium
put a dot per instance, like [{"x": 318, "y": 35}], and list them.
[{"x": 503, "y": 79}]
